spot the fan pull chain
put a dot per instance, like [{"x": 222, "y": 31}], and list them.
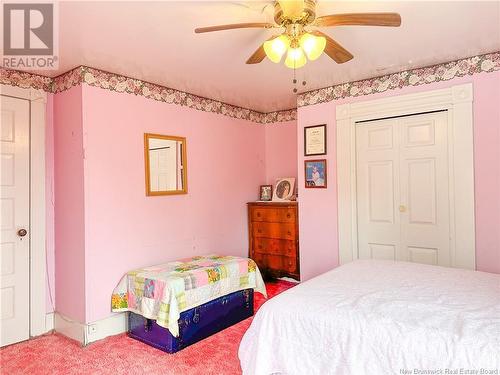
[{"x": 295, "y": 80}]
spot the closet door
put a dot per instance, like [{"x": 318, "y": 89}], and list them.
[
  {"x": 378, "y": 195},
  {"x": 425, "y": 210},
  {"x": 402, "y": 189}
]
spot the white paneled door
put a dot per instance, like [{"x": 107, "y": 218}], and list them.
[
  {"x": 402, "y": 189},
  {"x": 14, "y": 205}
]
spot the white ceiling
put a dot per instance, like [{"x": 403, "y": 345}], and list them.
[{"x": 155, "y": 41}]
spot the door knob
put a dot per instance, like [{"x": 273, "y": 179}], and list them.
[
  {"x": 402, "y": 208},
  {"x": 22, "y": 232}
]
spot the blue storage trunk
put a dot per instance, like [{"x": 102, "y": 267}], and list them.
[{"x": 194, "y": 324}]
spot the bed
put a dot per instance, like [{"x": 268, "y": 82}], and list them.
[
  {"x": 379, "y": 317},
  {"x": 178, "y": 303}
]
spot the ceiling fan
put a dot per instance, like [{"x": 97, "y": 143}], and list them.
[{"x": 299, "y": 42}]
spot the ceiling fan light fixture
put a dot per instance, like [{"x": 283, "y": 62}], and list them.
[
  {"x": 312, "y": 45},
  {"x": 276, "y": 48},
  {"x": 295, "y": 58}
]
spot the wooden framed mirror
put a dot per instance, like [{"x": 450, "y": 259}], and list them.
[{"x": 166, "y": 164}]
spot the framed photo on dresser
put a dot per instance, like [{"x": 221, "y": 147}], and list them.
[
  {"x": 315, "y": 140},
  {"x": 284, "y": 189},
  {"x": 266, "y": 193}
]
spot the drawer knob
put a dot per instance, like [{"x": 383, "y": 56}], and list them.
[
  {"x": 259, "y": 231},
  {"x": 289, "y": 233},
  {"x": 258, "y": 214},
  {"x": 289, "y": 262},
  {"x": 288, "y": 215}
]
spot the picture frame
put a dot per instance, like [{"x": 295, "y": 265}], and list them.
[
  {"x": 315, "y": 140},
  {"x": 266, "y": 193},
  {"x": 284, "y": 189},
  {"x": 315, "y": 174}
]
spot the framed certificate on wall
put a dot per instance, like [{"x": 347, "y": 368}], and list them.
[{"x": 315, "y": 140}]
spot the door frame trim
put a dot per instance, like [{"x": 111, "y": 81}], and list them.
[
  {"x": 37, "y": 228},
  {"x": 458, "y": 101}
]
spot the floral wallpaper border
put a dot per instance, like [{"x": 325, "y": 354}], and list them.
[
  {"x": 415, "y": 77},
  {"x": 119, "y": 83},
  {"x": 25, "y": 80}
]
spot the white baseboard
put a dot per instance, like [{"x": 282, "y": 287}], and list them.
[
  {"x": 289, "y": 279},
  {"x": 112, "y": 325},
  {"x": 70, "y": 328},
  {"x": 49, "y": 322},
  {"x": 91, "y": 332}
]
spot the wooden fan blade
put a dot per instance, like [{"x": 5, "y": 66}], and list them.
[
  {"x": 259, "y": 25},
  {"x": 334, "y": 50},
  {"x": 359, "y": 19},
  {"x": 259, "y": 54}
]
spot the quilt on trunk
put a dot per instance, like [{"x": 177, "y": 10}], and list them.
[{"x": 163, "y": 291}]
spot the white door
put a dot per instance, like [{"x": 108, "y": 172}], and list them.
[
  {"x": 402, "y": 189},
  {"x": 14, "y": 206}
]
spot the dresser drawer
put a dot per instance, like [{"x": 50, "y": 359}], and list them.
[
  {"x": 289, "y": 264},
  {"x": 277, "y": 215},
  {"x": 276, "y": 262},
  {"x": 274, "y": 230},
  {"x": 274, "y": 246}
]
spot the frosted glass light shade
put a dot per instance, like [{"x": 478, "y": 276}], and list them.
[
  {"x": 312, "y": 45},
  {"x": 276, "y": 48},
  {"x": 295, "y": 58}
]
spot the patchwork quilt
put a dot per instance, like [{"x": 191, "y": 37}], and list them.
[{"x": 162, "y": 292}]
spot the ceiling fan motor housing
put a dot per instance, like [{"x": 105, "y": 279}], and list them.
[{"x": 307, "y": 16}]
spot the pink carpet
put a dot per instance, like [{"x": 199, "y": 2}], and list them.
[{"x": 56, "y": 354}]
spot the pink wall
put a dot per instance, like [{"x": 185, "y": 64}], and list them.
[
  {"x": 69, "y": 205},
  {"x": 318, "y": 208},
  {"x": 487, "y": 170},
  {"x": 124, "y": 229},
  {"x": 105, "y": 225},
  {"x": 281, "y": 150}
]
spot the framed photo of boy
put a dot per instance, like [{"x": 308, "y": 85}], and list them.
[
  {"x": 315, "y": 140},
  {"x": 266, "y": 193},
  {"x": 315, "y": 174}
]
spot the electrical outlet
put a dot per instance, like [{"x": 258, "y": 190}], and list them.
[{"x": 92, "y": 329}]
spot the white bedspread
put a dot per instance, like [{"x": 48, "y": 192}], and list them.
[{"x": 376, "y": 317}]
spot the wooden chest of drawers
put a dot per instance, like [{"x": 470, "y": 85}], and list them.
[{"x": 273, "y": 233}]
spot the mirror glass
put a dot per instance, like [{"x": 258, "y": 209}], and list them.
[{"x": 166, "y": 171}]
